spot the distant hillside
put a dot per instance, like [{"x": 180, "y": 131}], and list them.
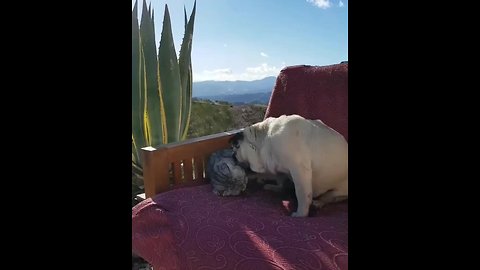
[
  {"x": 208, "y": 117},
  {"x": 253, "y": 98},
  {"x": 222, "y": 88}
]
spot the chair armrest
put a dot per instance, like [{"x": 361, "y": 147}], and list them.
[{"x": 178, "y": 163}]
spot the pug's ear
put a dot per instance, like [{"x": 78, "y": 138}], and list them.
[{"x": 235, "y": 140}]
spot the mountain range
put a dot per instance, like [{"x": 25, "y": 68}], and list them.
[
  {"x": 236, "y": 92},
  {"x": 252, "y": 98}
]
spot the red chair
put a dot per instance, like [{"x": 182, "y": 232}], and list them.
[{"x": 183, "y": 225}]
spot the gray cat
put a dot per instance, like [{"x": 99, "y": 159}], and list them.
[{"x": 227, "y": 177}]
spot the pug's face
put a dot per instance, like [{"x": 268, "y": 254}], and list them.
[{"x": 246, "y": 152}]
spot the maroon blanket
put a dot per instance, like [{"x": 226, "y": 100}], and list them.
[
  {"x": 313, "y": 92},
  {"x": 192, "y": 228}
]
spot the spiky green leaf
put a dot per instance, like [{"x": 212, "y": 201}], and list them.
[
  {"x": 188, "y": 105},
  {"x": 185, "y": 15},
  {"x": 138, "y": 95},
  {"x": 185, "y": 66},
  {"x": 170, "y": 80},
  {"x": 154, "y": 104}
]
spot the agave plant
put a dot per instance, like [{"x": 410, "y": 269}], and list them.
[{"x": 161, "y": 83}]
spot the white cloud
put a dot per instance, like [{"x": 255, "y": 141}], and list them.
[
  {"x": 340, "y": 4},
  {"x": 221, "y": 74},
  {"x": 218, "y": 71},
  {"x": 262, "y": 69},
  {"x": 263, "y": 54},
  {"x": 321, "y": 3},
  {"x": 249, "y": 74}
]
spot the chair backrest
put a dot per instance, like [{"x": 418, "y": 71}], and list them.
[{"x": 314, "y": 92}]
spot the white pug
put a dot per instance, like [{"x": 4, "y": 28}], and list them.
[{"x": 313, "y": 155}]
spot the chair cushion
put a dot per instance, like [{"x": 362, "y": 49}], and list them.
[
  {"x": 192, "y": 228},
  {"x": 314, "y": 92}
]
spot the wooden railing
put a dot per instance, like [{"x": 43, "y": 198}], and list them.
[{"x": 180, "y": 163}]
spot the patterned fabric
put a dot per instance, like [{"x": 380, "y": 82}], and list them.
[
  {"x": 314, "y": 92},
  {"x": 192, "y": 228}
]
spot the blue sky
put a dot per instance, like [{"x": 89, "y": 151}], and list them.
[{"x": 252, "y": 39}]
